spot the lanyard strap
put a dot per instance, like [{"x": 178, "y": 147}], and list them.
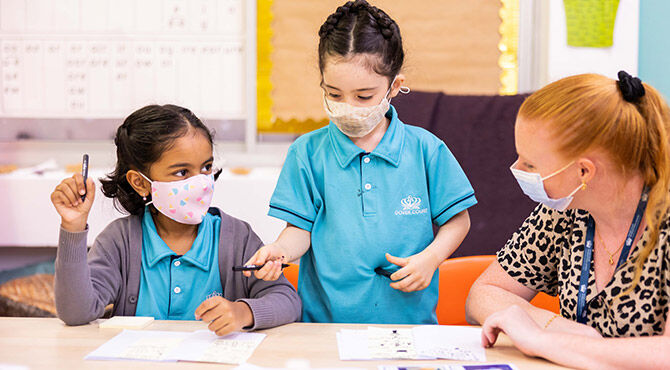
[{"x": 588, "y": 252}]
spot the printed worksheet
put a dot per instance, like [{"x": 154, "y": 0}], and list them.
[
  {"x": 391, "y": 343},
  {"x": 170, "y": 346},
  {"x": 449, "y": 342},
  {"x": 139, "y": 345},
  {"x": 205, "y": 346},
  {"x": 418, "y": 343}
]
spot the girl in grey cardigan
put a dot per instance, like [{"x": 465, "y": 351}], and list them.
[{"x": 172, "y": 257}]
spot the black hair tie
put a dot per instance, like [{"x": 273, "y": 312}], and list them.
[{"x": 631, "y": 87}]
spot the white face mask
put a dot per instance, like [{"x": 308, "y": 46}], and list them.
[
  {"x": 532, "y": 184},
  {"x": 358, "y": 121}
]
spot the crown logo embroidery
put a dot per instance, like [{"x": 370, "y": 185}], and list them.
[
  {"x": 410, "y": 203},
  {"x": 214, "y": 294}
]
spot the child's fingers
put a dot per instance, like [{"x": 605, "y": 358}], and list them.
[
  {"x": 69, "y": 194},
  {"x": 259, "y": 258},
  {"x": 223, "y": 328},
  {"x": 214, "y": 313},
  {"x": 404, "y": 283},
  {"x": 402, "y": 262},
  {"x": 58, "y": 198},
  {"x": 254, "y": 261},
  {"x": 205, "y": 306},
  {"x": 276, "y": 269},
  {"x": 219, "y": 323},
  {"x": 400, "y": 274},
  {"x": 265, "y": 273},
  {"x": 90, "y": 189},
  {"x": 79, "y": 183},
  {"x": 413, "y": 287}
]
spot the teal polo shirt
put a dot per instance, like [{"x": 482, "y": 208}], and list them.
[
  {"x": 359, "y": 206},
  {"x": 172, "y": 286}
]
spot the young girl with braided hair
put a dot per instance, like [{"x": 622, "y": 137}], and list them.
[{"x": 360, "y": 195}]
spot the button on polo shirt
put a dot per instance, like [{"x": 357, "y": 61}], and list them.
[{"x": 359, "y": 206}]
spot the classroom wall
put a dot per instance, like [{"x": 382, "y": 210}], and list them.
[
  {"x": 563, "y": 60},
  {"x": 654, "y": 47},
  {"x": 451, "y": 46}
]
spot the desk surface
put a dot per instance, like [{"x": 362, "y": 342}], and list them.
[{"x": 47, "y": 343}]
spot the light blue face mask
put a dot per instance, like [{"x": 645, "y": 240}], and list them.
[{"x": 532, "y": 184}]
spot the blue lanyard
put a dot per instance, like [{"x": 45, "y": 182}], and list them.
[{"x": 588, "y": 252}]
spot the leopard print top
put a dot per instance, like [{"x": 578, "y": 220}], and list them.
[{"x": 545, "y": 254}]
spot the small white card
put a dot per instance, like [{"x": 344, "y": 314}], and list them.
[{"x": 126, "y": 322}]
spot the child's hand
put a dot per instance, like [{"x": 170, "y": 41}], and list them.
[
  {"x": 66, "y": 197},
  {"x": 224, "y": 316},
  {"x": 416, "y": 271},
  {"x": 272, "y": 256}
]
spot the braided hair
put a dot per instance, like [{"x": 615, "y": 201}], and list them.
[{"x": 360, "y": 28}]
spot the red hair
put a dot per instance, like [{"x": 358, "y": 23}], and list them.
[{"x": 588, "y": 111}]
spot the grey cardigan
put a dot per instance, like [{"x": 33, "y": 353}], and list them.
[{"x": 110, "y": 273}]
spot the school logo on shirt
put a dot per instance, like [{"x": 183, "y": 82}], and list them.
[
  {"x": 411, "y": 205},
  {"x": 214, "y": 294}
]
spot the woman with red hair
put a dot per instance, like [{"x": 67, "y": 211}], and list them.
[{"x": 594, "y": 152}]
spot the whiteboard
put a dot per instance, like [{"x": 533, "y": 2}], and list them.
[{"x": 106, "y": 58}]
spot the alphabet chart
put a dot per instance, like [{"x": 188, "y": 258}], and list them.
[{"x": 106, "y": 58}]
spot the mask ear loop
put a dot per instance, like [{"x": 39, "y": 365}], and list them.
[
  {"x": 403, "y": 89},
  {"x": 150, "y": 182},
  {"x": 559, "y": 171}
]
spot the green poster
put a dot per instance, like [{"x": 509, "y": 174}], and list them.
[{"x": 590, "y": 23}]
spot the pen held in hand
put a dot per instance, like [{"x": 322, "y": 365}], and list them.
[
  {"x": 84, "y": 173},
  {"x": 255, "y": 267}
]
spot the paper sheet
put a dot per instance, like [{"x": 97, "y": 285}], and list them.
[
  {"x": 205, "y": 346},
  {"x": 198, "y": 346},
  {"x": 418, "y": 343},
  {"x": 391, "y": 343},
  {"x": 449, "y": 342},
  {"x": 353, "y": 344},
  {"x": 139, "y": 345}
]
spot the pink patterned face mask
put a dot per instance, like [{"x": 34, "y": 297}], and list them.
[{"x": 185, "y": 201}]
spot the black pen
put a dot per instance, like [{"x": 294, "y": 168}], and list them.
[
  {"x": 382, "y": 272},
  {"x": 84, "y": 173},
  {"x": 387, "y": 273},
  {"x": 255, "y": 267}
]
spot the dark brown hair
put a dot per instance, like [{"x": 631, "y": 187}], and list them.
[{"x": 360, "y": 28}]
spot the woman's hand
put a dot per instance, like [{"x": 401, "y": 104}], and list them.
[
  {"x": 224, "y": 316},
  {"x": 416, "y": 271},
  {"x": 272, "y": 256},
  {"x": 514, "y": 321},
  {"x": 66, "y": 198}
]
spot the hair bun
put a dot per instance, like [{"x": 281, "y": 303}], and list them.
[{"x": 631, "y": 87}]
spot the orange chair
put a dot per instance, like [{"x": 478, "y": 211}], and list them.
[
  {"x": 291, "y": 274},
  {"x": 457, "y": 276}
]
